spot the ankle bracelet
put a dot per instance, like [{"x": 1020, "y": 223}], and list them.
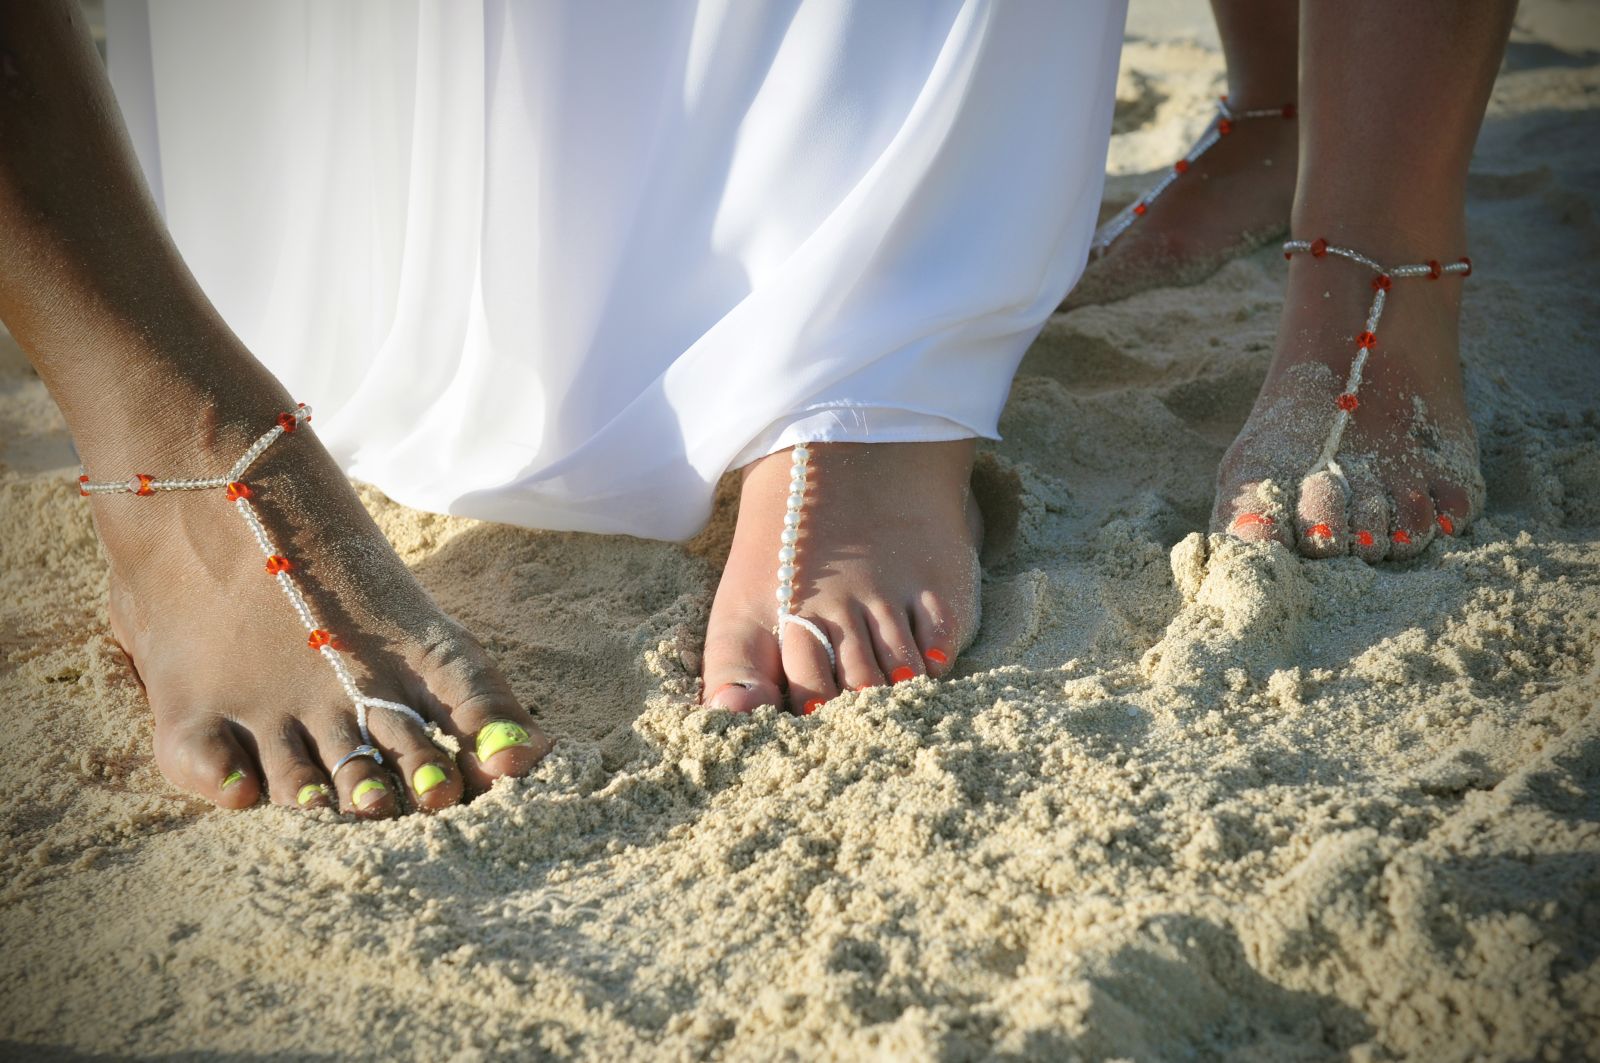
[
  {"x": 278, "y": 566},
  {"x": 1227, "y": 117},
  {"x": 1349, "y": 401}
]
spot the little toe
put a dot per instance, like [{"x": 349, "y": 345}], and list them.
[
  {"x": 892, "y": 640},
  {"x": 807, "y": 666},
  {"x": 1323, "y": 531},
  {"x": 934, "y": 635},
  {"x": 1413, "y": 524},
  {"x": 205, "y": 757},
  {"x": 427, "y": 771},
  {"x": 858, "y": 660},
  {"x": 1452, "y": 509},
  {"x": 742, "y": 668},
  {"x": 363, "y": 786},
  {"x": 294, "y": 778}
]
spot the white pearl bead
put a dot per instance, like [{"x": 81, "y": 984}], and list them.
[
  {"x": 785, "y": 593},
  {"x": 797, "y": 500},
  {"x": 802, "y": 454},
  {"x": 786, "y": 573},
  {"x": 787, "y": 553},
  {"x": 797, "y": 485},
  {"x": 790, "y": 536},
  {"x": 791, "y": 519}
]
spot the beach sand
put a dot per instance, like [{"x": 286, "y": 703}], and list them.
[{"x": 1184, "y": 799}]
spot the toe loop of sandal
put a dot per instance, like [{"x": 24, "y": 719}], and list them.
[
  {"x": 788, "y": 552},
  {"x": 278, "y": 566}
]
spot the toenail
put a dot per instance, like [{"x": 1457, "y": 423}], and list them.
[
  {"x": 1402, "y": 537},
  {"x": 1320, "y": 531},
  {"x": 812, "y": 706},
  {"x": 1447, "y": 525},
  {"x": 938, "y": 656},
  {"x": 1253, "y": 518},
  {"x": 232, "y": 779},
  {"x": 901, "y": 674},
  {"x": 427, "y": 777},
  {"x": 1364, "y": 538},
  {"x": 310, "y": 792},
  {"x": 501, "y": 734},
  {"x": 368, "y": 792}
]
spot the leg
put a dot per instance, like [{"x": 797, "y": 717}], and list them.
[
  {"x": 150, "y": 379},
  {"x": 894, "y": 608},
  {"x": 1392, "y": 101},
  {"x": 1237, "y": 195}
]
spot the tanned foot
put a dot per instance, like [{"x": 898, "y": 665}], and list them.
[
  {"x": 1409, "y": 456},
  {"x": 887, "y": 567},
  {"x": 243, "y": 707},
  {"x": 1233, "y": 199}
]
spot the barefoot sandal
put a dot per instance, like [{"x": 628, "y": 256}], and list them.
[
  {"x": 278, "y": 566},
  {"x": 1349, "y": 401},
  {"x": 798, "y": 474},
  {"x": 1226, "y": 119}
]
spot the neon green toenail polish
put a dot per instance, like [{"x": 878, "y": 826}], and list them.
[
  {"x": 310, "y": 792},
  {"x": 233, "y": 779},
  {"x": 427, "y": 777},
  {"x": 502, "y": 734},
  {"x": 368, "y": 792}
]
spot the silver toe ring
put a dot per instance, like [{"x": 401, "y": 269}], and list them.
[{"x": 357, "y": 752}]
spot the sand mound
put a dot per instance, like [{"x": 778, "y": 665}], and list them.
[{"x": 1185, "y": 798}]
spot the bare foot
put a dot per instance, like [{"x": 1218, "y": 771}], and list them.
[
  {"x": 1233, "y": 199},
  {"x": 887, "y": 567},
  {"x": 1409, "y": 456},
  {"x": 243, "y": 708}
]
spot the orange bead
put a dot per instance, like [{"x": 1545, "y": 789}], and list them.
[
  {"x": 1382, "y": 282},
  {"x": 278, "y": 563},
  {"x": 1435, "y": 271},
  {"x": 81, "y": 481},
  {"x": 1367, "y": 341},
  {"x": 1468, "y": 263},
  {"x": 1139, "y": 209},
  {"x": 237, "y": 490},
  {"x": 1319, "y": 247},
  {"x": 1348, "y": 402},
  {"x": 320, "y": 638},
  {"x": 287, "y": 422},
  {"x": 1182, "y": 166},
  {"x": 144, "y": 484},
  {"x": 1289, "y": 110},
  {"x": 1224, "y": 127}
]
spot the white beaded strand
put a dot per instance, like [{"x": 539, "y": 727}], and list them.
[
  {"x": 320, "y": 640},
  {"x": 799, "y": 473},
  {"x": 1219, "y": 128},
  {"x": 1348, "y": 401}
]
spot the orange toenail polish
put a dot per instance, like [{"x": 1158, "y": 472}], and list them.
[
  {"x": 1246, "y": 519},
  {"x": 1447, "y": 525},
  {"x": 938, "y": 656},
  {"x": 1320, "y": 531},
  {"x": 901, "y": 674},
  {"x": 812, "y": 706},
  {"x": 1401, "y": 537},
  {"x": 1364, "y": 538}
]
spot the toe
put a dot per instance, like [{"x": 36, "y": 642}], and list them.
[
  {"x": 893, "y": 642},
  {"x": 934, "y": 634},
  {"x": 742, "y": 669},
  {"x": 363, "y": 786},
  {"x": 858, "y": 660},
  {"x": 1251, "y": 511},
  {"x": 1369, "y": 518},
  {"x": 1452, "y": 509},
  {"x": 294, "y": 778},
  {"x": 807, "y": 667},
  {"x": 1323, "y": 531},
  {"x": 428, "y": 773},
  {"x": 204, "y": 756},
  {"x": 472, "y": 702},
  {"x": 1413, "y": 524}
]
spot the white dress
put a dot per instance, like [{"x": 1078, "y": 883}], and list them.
[{"x": 565, "y": 263}]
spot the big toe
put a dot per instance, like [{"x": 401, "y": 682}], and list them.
[
  {"x": 471, "y": 701},
  {"x": 204, "y": 756},
  {"x": 742, "y": 666},
  {"x": 1253, "y": 510}
]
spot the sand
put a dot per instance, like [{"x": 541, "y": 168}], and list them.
[{"x": 1184, "y": 799}]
